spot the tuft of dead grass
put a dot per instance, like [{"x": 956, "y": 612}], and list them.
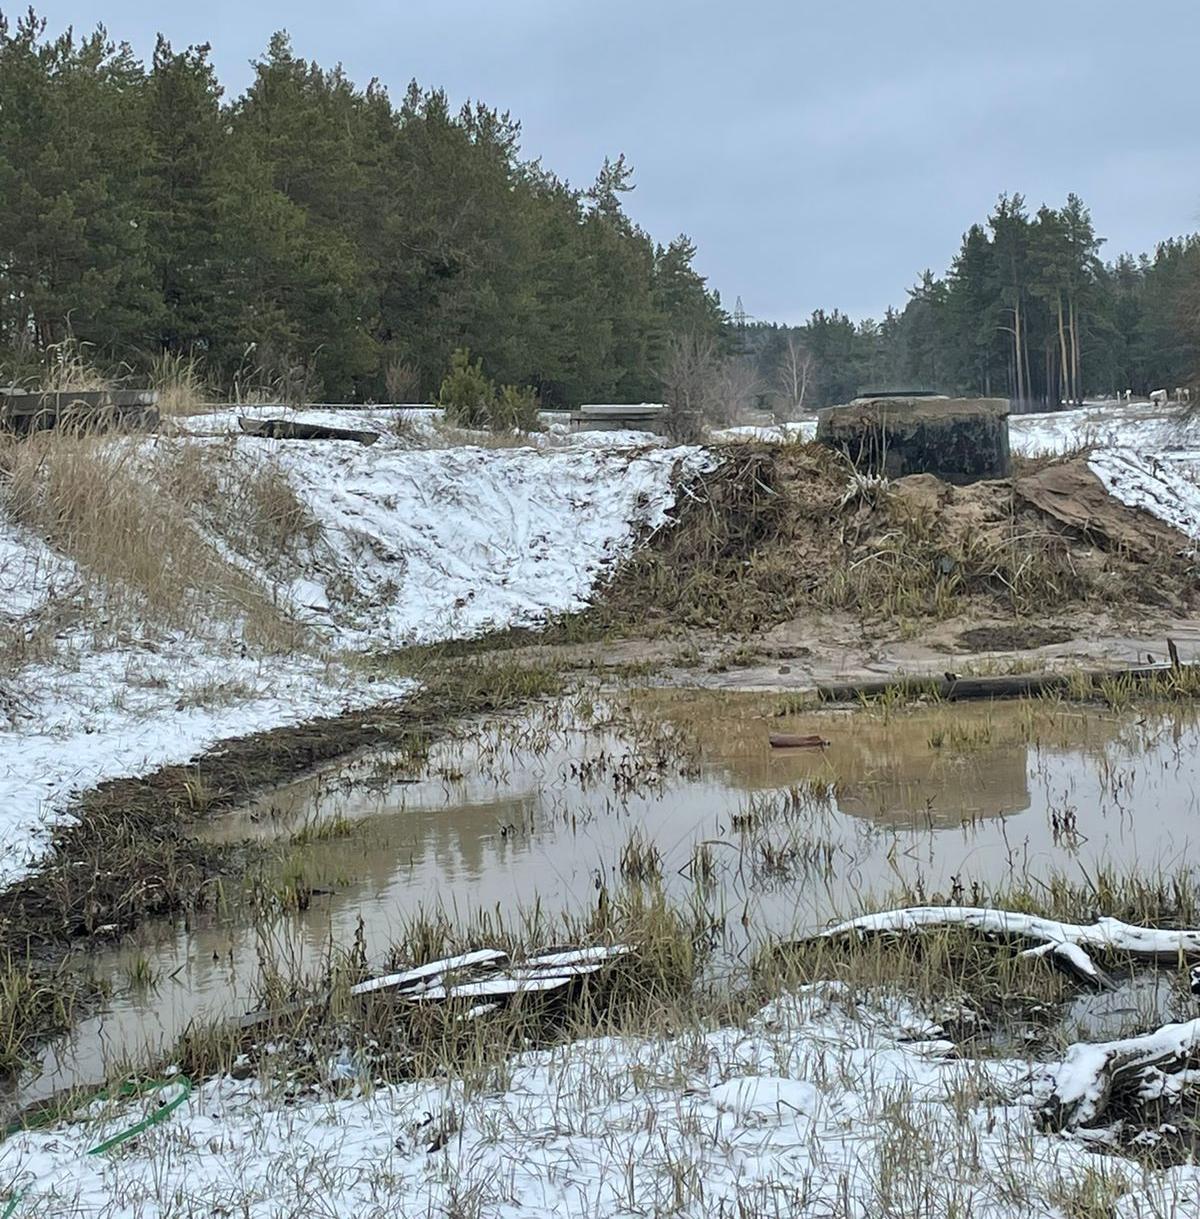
[
  {"x": 179, "y": 381},
  {"x": 69, "y": 366},
  {"x": 140, "y": 519}
]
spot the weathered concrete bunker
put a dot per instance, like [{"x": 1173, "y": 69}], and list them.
[
  {"x": 25, "y": 411},
  {"x": 960, "y": 440}
]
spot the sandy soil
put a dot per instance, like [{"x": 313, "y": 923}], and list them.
[{"x": 805, "y": 652}]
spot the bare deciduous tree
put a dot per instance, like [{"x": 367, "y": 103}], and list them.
[
  {"x": 793, "y": 374},
  {"x": 737, "y": 386},
  {"x": 703, "y": 386},
  {"x": 402, "y": 380},
  {"x": 689, "y": 374}
]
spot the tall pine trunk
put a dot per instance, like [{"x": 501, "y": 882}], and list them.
[
  {"x": 1018, "y": 353},
  {"x": 1025, "y": 357},
  {"x": 1074, "y": 320},
  {"x": 1062, "y": 348}
]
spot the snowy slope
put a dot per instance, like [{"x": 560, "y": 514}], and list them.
[
  {"x": 826, "y": 1104},
  {"x": 437, "y": 544},
  {"x": 1167, "y": 490},
  {"x": 1146, "y": 456},
  {"x": 1141, "y": 426},
  {"x": 415, "y": 545}
]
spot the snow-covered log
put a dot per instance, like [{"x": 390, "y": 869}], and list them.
[
  {"x": 289, "y": 429},
  {"x": 1093, "y": 1081},
  {"x": 1070, "y": 945}
]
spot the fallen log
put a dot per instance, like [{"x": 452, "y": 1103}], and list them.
[
  {"x": 792, "y": 740},
  {"x": 1095, "y": 1082},
  {"x": 952, "y": 688},
  {"x": 1068, "y": 945},
  {"x": 287, "y": 429}
]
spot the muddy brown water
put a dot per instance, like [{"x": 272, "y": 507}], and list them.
[{"x": 538, "y": 810}]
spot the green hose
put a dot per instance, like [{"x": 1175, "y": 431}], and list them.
[
  {"x": 160, "y": 1114},
  {"x": 124, "y": 1092}
]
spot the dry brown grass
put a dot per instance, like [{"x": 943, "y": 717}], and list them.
[
  {"x": 139, "y": 519},
  {"x": 179, "y": 381},
  {"x": 777, "y": 530},
  {"x": 69, "y": 366}
]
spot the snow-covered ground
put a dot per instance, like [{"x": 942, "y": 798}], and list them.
[
  {"x": 426, "y": 544},
  {"x": 92, "y": 715},
  {"x": 413, "y": 545},
  {"x": 778, "y": 433},
  {"x": 825, "y": 1104},
  {"x": 1142, "y": 426},
  {"x": 1147, "y": 456},
  {"x": 1169, "y": 490}
]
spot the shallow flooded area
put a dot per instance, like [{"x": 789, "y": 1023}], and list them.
[{"x": 553, "y": 812}]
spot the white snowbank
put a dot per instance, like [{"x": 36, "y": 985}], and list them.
[
  {"x": 416, "y": 545},
  {"x": 1146, "y": 456},
  {"x": 780, "y": 433},
  {"x": 1142, "y": 426},
  {"x": 1167, "y": 491},
  {"x": 444, "y": 543},
  {"x": 824, "y": 1105},
  {"x": 99, "y": 715}
]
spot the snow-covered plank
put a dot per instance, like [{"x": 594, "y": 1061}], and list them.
[
  {"x": 577, "y": 956},
  {"x": 505, "y": 984},
  {"x": 434, "y": 969}
]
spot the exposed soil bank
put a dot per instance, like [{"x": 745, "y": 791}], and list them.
[{"x": 775, "y": 532}]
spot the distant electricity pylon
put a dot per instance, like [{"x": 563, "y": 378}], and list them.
[{"x": 739, "y": 314}]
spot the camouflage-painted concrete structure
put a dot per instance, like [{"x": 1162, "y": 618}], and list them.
[{"x": 960, "y": 440}]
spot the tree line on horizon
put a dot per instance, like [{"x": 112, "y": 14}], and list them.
[
  {"x": 312, "y": 238},
  {"x": 312, "y": 232},
  {"x": 1028, "y": 310}
]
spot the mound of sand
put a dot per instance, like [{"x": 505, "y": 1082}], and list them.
[{"x": 778, "y": 529}]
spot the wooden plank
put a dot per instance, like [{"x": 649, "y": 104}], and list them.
[
  {"x": 792, "y": 740},
  {"x": 489, "y": 974},
  {"x": 504, "y": 984},
  {"x": 425, "y": 973},
  {"x": 577, "y": 956}
]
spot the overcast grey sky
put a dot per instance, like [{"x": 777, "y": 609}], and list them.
[{"x": 820, "y": 154}]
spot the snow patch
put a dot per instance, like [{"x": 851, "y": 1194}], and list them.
[
  {"x": 98, "y": 715},
  {"x": 1147, "y": 482},
  {"x": 438, "y": 544},
  {"x": 766, "y": 1096},
  {"x": 709, "y": 1124}
]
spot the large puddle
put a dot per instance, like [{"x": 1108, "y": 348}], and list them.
[{"x": 540, "y": 812}]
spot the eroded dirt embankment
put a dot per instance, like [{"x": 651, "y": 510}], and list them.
[{"x": 774, "y": 532}]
